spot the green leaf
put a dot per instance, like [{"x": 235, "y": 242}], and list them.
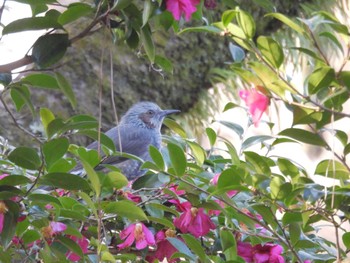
[
  {"x": 41, "y": 80},
  {"x": 194, "y": 244},
  {"x": 303, "y": 115},
  {"x": 157, "y": 157},
  {"x": 346, "y": 239},
  {"x": 320, "y": 78},
  {"x": 174, "y": 126},
  {"x": 147, "y": 11},
  {"x": 30, "y": 236},
  {"x": 46, "y": 117},
  {"x": 31, "y": 23},
  {"x": 230, "y": 179},
  {"x": 74, "y": 12},
  {"x": 54, "y": 150},
  {"x": 181, "y": 246},
  {"x": 294, "y": 233},
  {"x": 333, "y": 38},
  {"x": 291, "y": 217},
  {"x": 126, "y": 209},
  {"x": 246, "y": 22},
  {"x": 211, "y": 136},
  {"x": 198, "y": 152},
  {"x": 15, "y": 180},
  {"x": 66, "y": 88},
  {"x": 303, "y": 136},
  {"x": 104, "y": 139},
  {"x": 233, "y": 153},
  {"x": 233, "y": 126},
  {"x": 284, "y": 19},
  {"x": 228, "y": 16},
  {"x": 116, "y": 180},
  {"x": 205, "y": 29},
  {"x": 44, "y": 199},
  {"x": 65, "y": 180},
  {"x": 271, "y": 51},
  {"x": 164, "y": 63},
  {"x": 70, "y": 244},
  {"x": 255, "y": 140},
  {"x": 258, "y": 162},
  {"x": 49, "y": 49},
  {"x": 332, "y": 169},
  {"x": 89, "y": 202},
  {"x": 147, "y": 41},
  {"x": 21, "y": 96},
  {"x": 344, "y": 77},
  {"x": 25, "y": 157},
  {"x": 228, "y": 244},
  {"x": 266, "y": 214},
  {"x": 162, "y": 221},
  {"x": 177, "y": 158},
  {"x": 93, "y": 177}
]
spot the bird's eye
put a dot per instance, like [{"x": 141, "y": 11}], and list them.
[{"x": 150, "y": 112}]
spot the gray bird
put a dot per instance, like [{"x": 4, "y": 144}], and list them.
[{"x": 137, "y": 130}]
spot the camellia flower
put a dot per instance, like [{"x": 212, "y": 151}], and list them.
[
  {"x": 52, "y": 229},
  {"x": 164, "y": 248},
  {"x": 3, "y": 211},
  {"x": 268, "y": 253},
  {"x": 256, "y": 102},
  {"x": 194, "y": 221},
  {"x": 179, "y": 7},
  {"x": 139, "y": 233},
  {"x": 83, "y": 244}
]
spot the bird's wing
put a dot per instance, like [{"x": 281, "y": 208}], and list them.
[{"x": 132, "y": 140}]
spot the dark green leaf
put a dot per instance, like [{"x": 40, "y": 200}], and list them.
[
  {"x": 291, "y": 217},
  {"x": 21, "y": 96},
  {"x": 294, "y": 232},
  {"x": 345, "y": 79},
  {"x": 77, "y": 215},
  {"x": 147, "y": 11},
  {"x": 333, "y": 38},
  {"x": 266, "y": 214},
  {"x": 195, "y": 245},
  {"x": 126, "y": 209},
  {"x": 320, "y": 78},
  {"x": 54, "y": 150},
  {"x": 44, "y": 198},
  {"x": 65, "y": 180},
  {"x": 104, "y": 139},
  {"x": 15, "y": 180},
  {"x": 228, "y": 244},
  {"x": 303, "y": 136},
  {"x": 147, "y": 41},
  {"x": 271, "y": 51},
  {"x": 25, "y": 157},
  {"x": 70, "y": 244},
  {"x": 49, "y": 49},
  {"x": 177, "y": 158},
  {"x": 66, "y": 88},
  {"x": 346, "y": 239},
  {"x": 164, "y": 63},
  {"x": 30, "y": 236},
  {"x": 31, "y": 23},
  {"x": 162, "y": 221},
  {"x": 157, "y": 157}
]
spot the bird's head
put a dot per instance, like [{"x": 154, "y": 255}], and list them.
[{"x": 147, "y": 115}]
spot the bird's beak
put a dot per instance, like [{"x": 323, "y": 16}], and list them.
[{"x": 164, "y": 113}]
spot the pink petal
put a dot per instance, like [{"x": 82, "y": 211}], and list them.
[
  {"x": 173, "y": 6},
  {"x": 148, "y": 235},
  {"x": 127, "y": 231},
  {"x": 128, "y": 242},
  {"x": 57, "y": 227}
]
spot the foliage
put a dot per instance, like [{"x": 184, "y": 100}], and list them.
[{"x": 205, "y": 205}]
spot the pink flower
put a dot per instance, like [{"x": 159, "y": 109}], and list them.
[
  {"x": 174, "y": 189},
  {"x": 307, "y": 261},
  {"x": 194, "y": 221},
  {"x": 256, "y": 102},
  {"x": 181, "y": 207},
  {"x": 215, "y": 180},
  {"x": 179, "y": 7},
  {"x": 217, "y": 212},
  {"x": 164, "y": 248},
  {"x": 83, "y": 244},
  {"x": 268, "y": 253},
  {"x": 139, "y": 233},
  {"x": 3, "y": 211},
  {"x": 3, "y": 176},
  {"x": 130, "y": 196}
]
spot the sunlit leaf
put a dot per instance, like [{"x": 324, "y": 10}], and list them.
[
  {"x": 287, "y": 21},
  {"x": 271, "y": 51}
]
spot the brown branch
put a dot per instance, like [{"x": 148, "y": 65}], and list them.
[{"x": 7, "y": 68}]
